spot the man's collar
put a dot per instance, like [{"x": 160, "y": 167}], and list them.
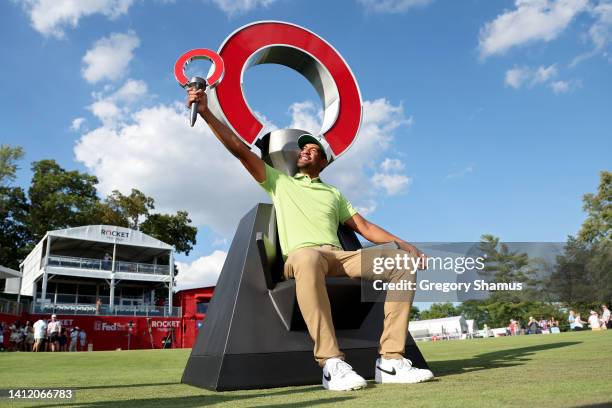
[{"x": 300, "y": 175}]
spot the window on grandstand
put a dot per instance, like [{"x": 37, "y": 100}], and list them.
[{"x": 202, "y": 307}]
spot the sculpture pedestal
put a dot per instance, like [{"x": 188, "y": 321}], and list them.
[{"x": 244, "y": 344}]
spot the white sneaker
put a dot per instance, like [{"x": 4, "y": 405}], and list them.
[
  {"x": 339, "y": 376},
  {"x": 400, "y": 371}
]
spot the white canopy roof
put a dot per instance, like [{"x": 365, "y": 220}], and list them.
[
  {"x": 110, "y": 234},
  {"x": 6, "y": 273}
]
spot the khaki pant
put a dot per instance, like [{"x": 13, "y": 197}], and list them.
[{"x": 309, "y": 266}]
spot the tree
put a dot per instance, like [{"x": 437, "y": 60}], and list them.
[
  {"x": 172, "y": 229},
  {"x": 129, "y": 209},
  {"x": 598, "y": 224},
  {"x": 475, "y": 309},
  {"x": 14, "y": 234},
  {"x": 505, "y": 266},
  {"x": 439, "y": 310},
  {"x": 15, "y": 237},
  {"x": 415, "y": 313},
  {"x": 8, "y": 166},
  {"x": 60, "y": 198}
]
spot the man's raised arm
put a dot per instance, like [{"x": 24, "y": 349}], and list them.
[{"x": 249, "y": 160}]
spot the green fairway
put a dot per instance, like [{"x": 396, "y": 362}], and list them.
[{"x": 569, "y": 369}]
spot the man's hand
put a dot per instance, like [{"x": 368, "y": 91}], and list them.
[
  {"x": 254, "y": 165},
  {"x": 414, "y": 251},
  {"x": 198, "y": 96}
]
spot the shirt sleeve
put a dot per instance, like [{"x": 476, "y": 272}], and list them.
[
  {"x": 272, "y": 176},
  {"x": 346, "y": 209}
]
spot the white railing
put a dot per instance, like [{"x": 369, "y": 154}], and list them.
[
  {"x": 105, "y": 265},
  {"x": 104, "y": 310},
  {"x": 10, "y": 307}
]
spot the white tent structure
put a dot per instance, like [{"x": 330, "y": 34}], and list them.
[
  {"x": 87, "y": 263},
  {"x": 448, "y": 327}
]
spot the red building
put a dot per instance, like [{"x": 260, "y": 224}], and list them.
[{"x": 194, "y": 304}]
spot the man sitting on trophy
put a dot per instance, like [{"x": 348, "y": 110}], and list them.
[{"x": 308, "y": 212}]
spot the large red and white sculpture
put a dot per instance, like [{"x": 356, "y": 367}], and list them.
[{"x": 274, "y": 42}]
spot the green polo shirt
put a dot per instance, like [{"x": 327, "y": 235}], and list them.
[{"x": 308, "y": 211}]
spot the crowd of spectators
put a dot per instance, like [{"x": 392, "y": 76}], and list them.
[
  {"x": 595, "y": 321},
  {"x": 43, "y": 335},
  {"x": 533, "y": 326}
]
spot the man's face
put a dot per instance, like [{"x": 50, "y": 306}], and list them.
[{"x": 311, "y": 155}]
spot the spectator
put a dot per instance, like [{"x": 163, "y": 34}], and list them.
[
  {"x": 83, "y": 339},
  {"x": 29, "y": 336},
  {"x": 40, "y": 328},
  {"x": 578, "y": 323},
  {"x": 108, "y": 262},
  {"x": 544, "y": 325},
  {"x": 63, "y": 340},
  {"x": 16, "y": 337},
  {"x": 2, "y": 336},
  {"x": 532, "y": 325},
  {"x": 553, "y": 322},
  {"x": 512, "y": 328},
  {"x": 98, "y": 305},
  {"x": 605, "y": 317},
  {"x": 74, "y": 339},
  {"x": 594, "y": 321},
  {"x": 571, "y": 319},
  {"x": 53, "y": 331}
]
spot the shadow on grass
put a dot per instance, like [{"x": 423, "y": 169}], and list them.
[
  {"x": 209, "y": 399},
  {"x": 114, "y": 386},
  {"x": 495, "y": 359}
]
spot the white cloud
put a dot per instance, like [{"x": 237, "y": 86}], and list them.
[
  {"x": 601, "y": 31},
  {"x": 202, "y": 272},
  {"x": 389, "y": 165},
  {"x": 306, "y": 116},
  {"x": 520, "y": 76},
  {"x": 110, "y": 56},
  {"x": 77, "y": 123},
  {"x": 392, "y": 183},
  {"x": 237, "y": 7},
  {"x": 112, "y": 108},
  {"x": 560, "y": 86},
  {"x": 50, "y": 17},
  {"x": 530, "y": 21},
  {"x": 543, "y": 74},
  {"x": 516, "y": 76},
  {"x": 392, "y": 6}
]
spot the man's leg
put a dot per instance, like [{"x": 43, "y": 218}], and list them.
[
  {"x": 391, "y": 367},
  {"x": 358, "y": 264},
  {"x": 309, "y": 267}
]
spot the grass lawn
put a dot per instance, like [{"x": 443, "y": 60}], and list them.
[{"x": 569, "y": 369}]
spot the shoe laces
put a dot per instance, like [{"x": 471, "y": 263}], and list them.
[
  {"x": 341, "y": 368},
  {"x": 404, "y": 362}
]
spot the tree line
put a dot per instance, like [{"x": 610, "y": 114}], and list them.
[{"x": 58, "y": 198}]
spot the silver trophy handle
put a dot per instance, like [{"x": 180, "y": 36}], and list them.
[{"x": 196, "y": 83}]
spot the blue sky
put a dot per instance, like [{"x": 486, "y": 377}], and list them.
[{"x": 479, "y": 116}]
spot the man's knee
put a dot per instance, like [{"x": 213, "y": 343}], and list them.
[{"x": 305, "y": 263}]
